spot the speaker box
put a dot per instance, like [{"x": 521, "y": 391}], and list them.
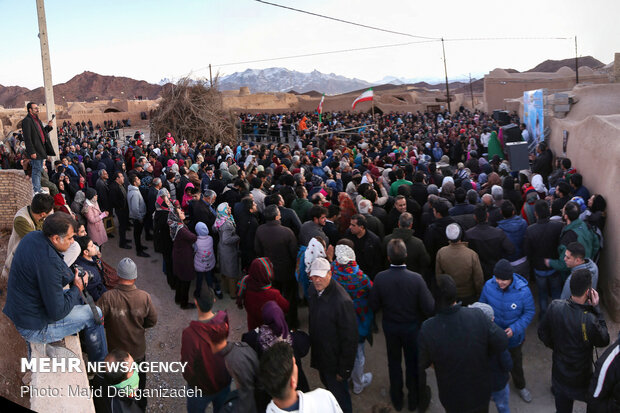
[
  {"x": 511, "y": 133},
  {"x": 501, "y": 116},
  {"x": 518, "y": 155}
]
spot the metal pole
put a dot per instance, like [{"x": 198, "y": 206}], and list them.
[
  {"x": 471, "y": 91},
  {"x": 445, "y": 68},
  {"x": 50, "y": 108},
  {"x": 576, "y": 63},
  {"x": 210, "y": 76}
]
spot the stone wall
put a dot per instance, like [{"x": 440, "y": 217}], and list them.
[
  {"x": 15, "y": 193},
  {"x": 499, "y": 85},
  {"x": 593, "y": 126}
]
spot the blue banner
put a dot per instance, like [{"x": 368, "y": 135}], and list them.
[{"x": 533, "y": 115}]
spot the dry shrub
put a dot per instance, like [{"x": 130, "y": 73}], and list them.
[{"x": 192, "y": 110}]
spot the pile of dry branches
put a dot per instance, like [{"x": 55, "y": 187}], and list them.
[{"x": 192, "y": 110}]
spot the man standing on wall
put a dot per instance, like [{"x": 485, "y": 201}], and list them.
[{"x": 37, "y": 141}]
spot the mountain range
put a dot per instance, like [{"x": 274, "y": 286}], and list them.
[{"x": 89, "y": 86}]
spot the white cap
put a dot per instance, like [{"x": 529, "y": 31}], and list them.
[
  {"x": 453, "y": 231},
  {"x": 320, "y": 267}
]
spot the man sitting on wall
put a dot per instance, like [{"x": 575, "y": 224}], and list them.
[{"x": 37, "y": 304}]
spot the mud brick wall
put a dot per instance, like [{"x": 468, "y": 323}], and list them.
[{"x": 15, "y": 193}]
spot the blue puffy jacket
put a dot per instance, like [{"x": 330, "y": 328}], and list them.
[
  {"x": 514, "y": 228},
  {"x": 513, "y": 307}
]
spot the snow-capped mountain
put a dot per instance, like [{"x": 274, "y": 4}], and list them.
[{"x": 278, "y": 79}]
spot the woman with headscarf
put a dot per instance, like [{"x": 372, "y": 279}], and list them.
[
  {"x": 227, "y": 250},
  {"x": 60, "y": 204},
  {"x": 255, "y": 290},
  {"x": 447, "y": 189},
  {"x": 94, "y": 217},
  {"x": 187, "y": 196},
  {"x": 492, "y": 180},
  {"x": 305, "y": 257},
  {"x": 192, "y": 175},
  {"x": 162, "y": 242},
  {"x": 347, "y": 210},
  {"x": 77, "y": 207},
  {"x": 495, "y": 147},
  {"x": 182, "y": 256},
  {"x": 527, "y": 210},
  {"x": 204, "y": 261},
  {"x": 274, "y": 330},
  {"x": 539, "y": 185},
  {"x": 510, "y": 193},
  {"x": 348, "y": 274}
]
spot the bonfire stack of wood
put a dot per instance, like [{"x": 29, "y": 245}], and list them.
[{"x": 193, "y": 110}]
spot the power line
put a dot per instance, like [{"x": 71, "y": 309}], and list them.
[
  {"x": 505, "y": 38},
  {"x": 347, "y": 22},
  {"x": 315, "y": 54}
]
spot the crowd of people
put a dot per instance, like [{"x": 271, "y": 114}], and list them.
[{"x": 416, "y": 217}]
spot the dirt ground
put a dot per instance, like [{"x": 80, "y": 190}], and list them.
[{"x": 164, "y": 344}]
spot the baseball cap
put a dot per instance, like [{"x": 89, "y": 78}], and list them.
[{"x": 319, "y": 267}]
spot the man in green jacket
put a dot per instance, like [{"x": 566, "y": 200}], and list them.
[{"x": 575, "y": 231}]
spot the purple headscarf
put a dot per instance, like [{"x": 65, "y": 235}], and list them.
[{"x": 275, "y": 328}]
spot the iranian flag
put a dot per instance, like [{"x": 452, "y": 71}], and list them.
[
  {"x": 364, "y": 97},
  {"x": 319, "y": 109}
]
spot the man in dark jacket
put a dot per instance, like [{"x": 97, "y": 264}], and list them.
[
  {"x": 333, "y": 332},
  {"x": 489, "y": 242},
  {"x": 462, "y": 207},
  {"x": 37, "y": 141},
  {"x": 367, "y": 246},
  {"x": 418, "y": 188},
  {"x": 277, "y": 242},
  {"x": 435, "y": 237},
  {"x": 572, "y": 328},
  {"x": 118, "y": 200},
  {"x": 417, "y": 257},
  {"x": 406, "y": 302},
  {"x": 541, "y": 241},
  {"x": 604, "y": 394},
  {"x": 543, "y": 161},
  {"x": 90, "y": 262},
  {"x": 458, "y": 341},
  {"x": 37, "y": 304},
  {"x": 330, "y": 229},
  {"x": 103, "y": 191},
  {"x": 514, "y": 227},
  {"x": 202, "y": 210}
]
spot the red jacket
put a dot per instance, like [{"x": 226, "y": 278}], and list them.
[
  {"x": 254, "y": 301},
  {"x": 204, "y": 369}
]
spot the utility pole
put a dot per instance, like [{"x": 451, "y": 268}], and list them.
[
  {"x": 576, "y": 63},
  {"x": 445, "y": 68},
  {"x": 50, "y": 108},
  {"x": 471, "y": 92},
  {"x": 210, "y": 77}
]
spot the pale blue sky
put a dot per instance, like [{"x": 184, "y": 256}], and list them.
[{"x": 156, "y": 39}]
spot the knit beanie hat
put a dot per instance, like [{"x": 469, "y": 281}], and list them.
[
  {"x": 503, "y": 270},
  {"x": 127, "y": 269},
  {"x": 485, "y": 308}
]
